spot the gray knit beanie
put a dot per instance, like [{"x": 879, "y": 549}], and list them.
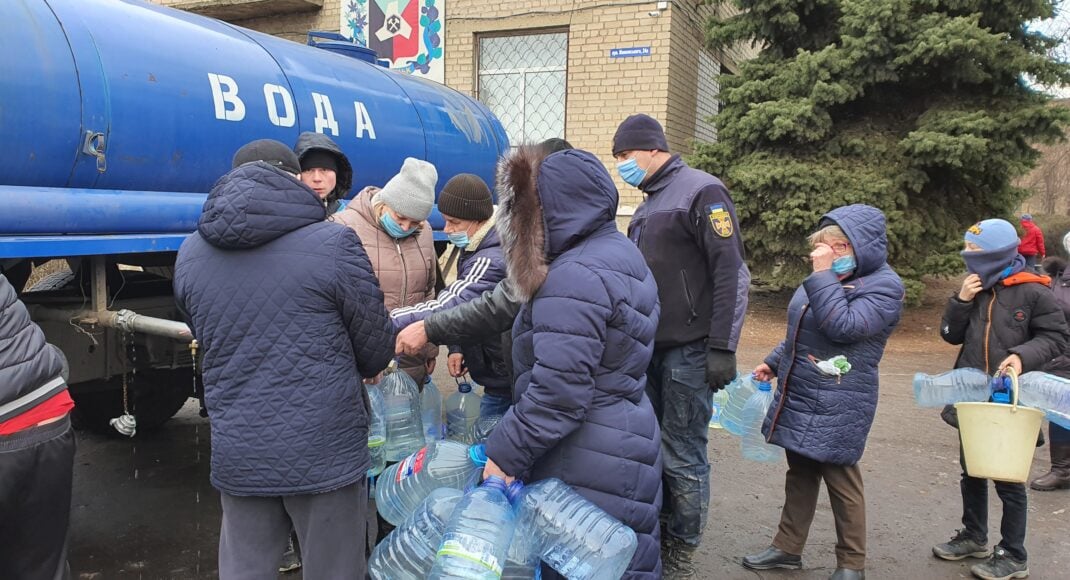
[{"x": 410, "y": 193}]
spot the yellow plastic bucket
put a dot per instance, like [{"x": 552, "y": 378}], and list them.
[{"x": 998, "y": 439}]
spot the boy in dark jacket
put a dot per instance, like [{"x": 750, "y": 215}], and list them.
[
  {"x": 1004, "y": 316},
  {"x": 325, "y": 169}
]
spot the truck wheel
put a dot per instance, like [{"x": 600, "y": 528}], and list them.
[
  {"x": 155, "y": 397},
  {"x": 53, "y": 281}
]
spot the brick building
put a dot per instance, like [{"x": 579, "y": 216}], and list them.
[{"x": 551, "y": 68}]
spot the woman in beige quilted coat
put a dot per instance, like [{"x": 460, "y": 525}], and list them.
[{"x": 392, "y": 225}]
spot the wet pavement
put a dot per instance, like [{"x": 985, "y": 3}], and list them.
[{"x": 143, "y": 508}]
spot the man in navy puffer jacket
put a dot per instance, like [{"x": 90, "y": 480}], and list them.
[
  {"x": 290, "y": 317},
  {"x": 581, "y": 345}
]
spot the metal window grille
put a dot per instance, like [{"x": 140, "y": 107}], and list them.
[
  {"x": 708, "y": 94},
  {"x": 522, "y": 80}
]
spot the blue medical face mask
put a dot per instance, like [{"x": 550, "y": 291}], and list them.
[
  {"x": 631, "y": 173},
  {"x": 459, "y": 239},
  {"x": 392, "y": 228},
  {"x": 844, "y": 265}
]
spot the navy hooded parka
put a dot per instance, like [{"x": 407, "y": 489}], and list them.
[{"x": 822, "y": 417}]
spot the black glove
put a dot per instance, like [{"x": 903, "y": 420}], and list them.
[{"x": 720, "y": 368}]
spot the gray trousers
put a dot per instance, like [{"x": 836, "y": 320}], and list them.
[{"x": 331, "y": 528}]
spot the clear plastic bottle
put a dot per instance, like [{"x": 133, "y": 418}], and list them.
[
  {"x": 462, "y": 411},
  {"x": 404, "y": 425},
  {"x": 431, "y": 411},
  {"x": 957, "y": 386},
  {"x": 376, "y": 430},
  {"x": 482, "y": 428},
  {"x": 752, "y": 442},
  {"x": 522, "y": 571},
  {"x": 477, "y": 537},
  {"x": 404, "y": 485},
  {"x": 1048, "y": 393},
  {"x": 739, "y": 392},
  {"x": 409, "y": 551},
  {"x": 522, "y": 561},
  {"x": 572, "y": 535},
  {"x": 717, "y": 403}
]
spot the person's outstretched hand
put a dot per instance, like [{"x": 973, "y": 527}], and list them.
[{"x": 411, "y": 340}]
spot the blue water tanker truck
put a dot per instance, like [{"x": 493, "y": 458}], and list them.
[{"x": 117, "y": 116}]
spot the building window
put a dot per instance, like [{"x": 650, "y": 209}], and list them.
[
  {"x": 522, "y": 81},
  {"x": 709, "y": 92}
]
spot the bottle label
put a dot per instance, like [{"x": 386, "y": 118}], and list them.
[
  {"x": 411, "y": 465},
  {"x": 472, "y": 549}
]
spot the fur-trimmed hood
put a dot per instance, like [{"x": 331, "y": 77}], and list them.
[{"x": 548, "y": 204}]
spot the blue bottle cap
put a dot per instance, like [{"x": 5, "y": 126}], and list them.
[
  {"x": 464, "y": 387},
  {"x": 765, "y": 386},
  {"x": 514, "y": 490},
  {"x": 495, "y": 482},
  {"x": 478, "y": 454}
]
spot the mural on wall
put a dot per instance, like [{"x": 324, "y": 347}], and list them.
[{"x": 408, "y": 33}]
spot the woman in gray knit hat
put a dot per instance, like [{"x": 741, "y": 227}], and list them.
[{"x": 392, "y": 224}]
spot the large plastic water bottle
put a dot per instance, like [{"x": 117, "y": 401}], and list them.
[
  {"x": 717, "y": 402},
  {"x": 572, "y": 535},
  {"x": 752, "y": 442},
  {"x": 482, "y": 428},
  {"x": 522, "y": 560},
  {"x": 462, "y": 411},
  {"x": 1047, "y": 392},
  {"x": 404, "y": 425},
  {"x": 739, "y": 392},
  {"x": 477, "y": 536},
  {"x": 522, "y": 570},
  {"x": 957, "y": 386},
  {"x": 404, "y": 485},
  {"x": 431, "y": 411},
  {"x": 376, "y": 430},
  {"x": 409, "y": 551}
]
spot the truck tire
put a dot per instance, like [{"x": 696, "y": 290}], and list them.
[
  {"x": 53, "y": 281},
  {"x": 155, "y": 396}
]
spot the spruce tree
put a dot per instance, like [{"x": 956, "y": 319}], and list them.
[{"x": 918, "y": 107}]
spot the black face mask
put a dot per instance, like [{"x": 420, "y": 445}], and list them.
[{"x": 994, "y": 265}]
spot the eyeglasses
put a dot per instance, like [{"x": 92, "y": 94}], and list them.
[{"x": 839, "y": 247}]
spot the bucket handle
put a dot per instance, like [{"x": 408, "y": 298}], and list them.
[{"x": 1013, "y": 374}]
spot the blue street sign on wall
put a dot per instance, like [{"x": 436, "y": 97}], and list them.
[{"x": 629, "y": 52}]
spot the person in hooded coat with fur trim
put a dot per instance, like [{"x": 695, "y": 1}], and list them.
[{"x": 581, "y": 345}]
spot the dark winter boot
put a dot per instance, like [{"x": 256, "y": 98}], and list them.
[
  {"x": 1059, "y": 476},
  {"x": 677, "y": 559}
]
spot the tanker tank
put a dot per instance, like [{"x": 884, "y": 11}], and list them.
[{"x": 119, "y": 115}]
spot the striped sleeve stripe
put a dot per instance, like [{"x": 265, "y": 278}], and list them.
[{"x": 479, "y": 269}]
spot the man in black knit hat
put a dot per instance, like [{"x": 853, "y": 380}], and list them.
[
  {"x": 467, "y": 206},
  {"x": 687, "y": 230}
]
